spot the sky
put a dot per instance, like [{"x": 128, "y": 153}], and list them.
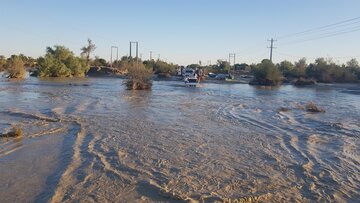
[{"x": 185, "y": 31}]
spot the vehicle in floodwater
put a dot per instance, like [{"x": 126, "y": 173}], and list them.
[
  {"x": 189, "y": 73},
  {"x": 191, "y": 82}
]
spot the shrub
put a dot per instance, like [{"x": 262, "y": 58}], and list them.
[
  {"x": 15, "y": 67},
  {"x": 139, "y": 77}
]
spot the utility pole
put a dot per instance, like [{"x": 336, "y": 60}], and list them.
[
  {"x": 111, "y": 55},
  {"x": 137, "y": 48},
  {"x": 130, "y": 50},
  {"x": 151, "y": 55},
  {"x": 271, "y": 47},
  {"x": 232, "y": 55}
]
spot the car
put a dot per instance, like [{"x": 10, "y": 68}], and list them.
[
  {"x": 212, "y": 75},
  {"x": 221, "y": 76},
  {"x": 189, "y": 73},
  {"x": 191, "y": 82}
]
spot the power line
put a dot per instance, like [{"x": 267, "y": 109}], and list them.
[
  {"x": 332, "y": 34},
  {"x": 318, "y": 28}
]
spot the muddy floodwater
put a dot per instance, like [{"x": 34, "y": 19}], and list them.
[{"x": 90, "y": 140}]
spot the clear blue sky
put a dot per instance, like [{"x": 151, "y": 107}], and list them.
[{"x": 181, "y": 31}]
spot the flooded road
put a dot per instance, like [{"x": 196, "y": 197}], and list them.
[{"x": 90, "y": 140}]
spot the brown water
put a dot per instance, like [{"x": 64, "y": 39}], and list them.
[{"x": 90, "y": 140}]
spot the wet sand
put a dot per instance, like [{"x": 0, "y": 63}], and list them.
[{"x": 93, "y": 141}]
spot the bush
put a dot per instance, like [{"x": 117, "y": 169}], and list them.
[
  {"x": 61, "y": 62},
  {"x": 139, "y": 77},
  {"x": 266, "y": 73},
  {"x": 15, "y": 67}
]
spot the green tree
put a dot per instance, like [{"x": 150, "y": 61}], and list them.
[
  {"x": 286, "y": 67},
  {"x": 223, "y": 66},
  {"x": 353, "y": 63},
  {"x": 354, "y": 67},
  {"x": 61, "y": 62},
  {"x": 327, "y": 71},
  {"x": 266, "y": 73},
  {"x": 87, "y": 50},
  {"x": 300, "y": 68}
]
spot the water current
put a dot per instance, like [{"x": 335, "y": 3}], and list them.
[{"x": 90, "y": 140}]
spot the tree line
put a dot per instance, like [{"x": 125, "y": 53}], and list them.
[
  {"x": 60, "y": 61},
  {"x": 321, "y": 70}
]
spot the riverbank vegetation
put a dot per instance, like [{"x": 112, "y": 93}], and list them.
[
  {"x": 139, "y": 76},
  {"x": 161, "y": 68},
  {"x": 13, "y": 66},
  {"x": 59, "y": 61},
  {"x": 301, "y": 73},
  {"x": 325, "y": 71},
  {"x": 266, "y": 73}
]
